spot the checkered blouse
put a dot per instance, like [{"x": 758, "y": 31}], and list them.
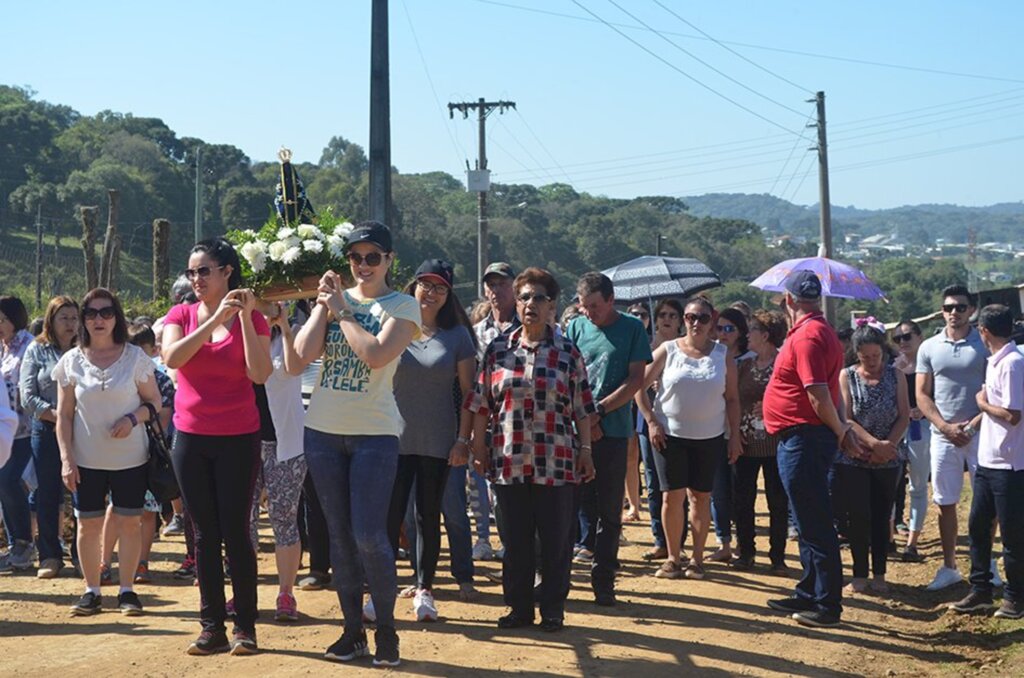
[{"x": 532, "y": 396}]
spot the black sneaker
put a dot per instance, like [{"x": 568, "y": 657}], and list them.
[
  {"x": 89, "y": 604},
  {"x": 387, "y": 647},
  {"x": 791, "y": 605},
  {"x": 1010, "y": 610},
  {"x": 743, "y": 563},
  {"x": 605, "y": 598},
  {"x": 514, "y": 620},
  {"x": 351, "y": 645},
  {"x": 129, "y": 604},
  {"x": 187, "y": 570},
  {"x": 817, "y": 619},
  {"x": 209, "y": 642},
  {"x": 243, "y": 643},
  {"x": 552, "y": 624},
  {"x": 973, "y": 602},
  {"x": 911, "y": 555}
]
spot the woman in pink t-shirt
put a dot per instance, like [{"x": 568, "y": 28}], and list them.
[{"x": 220, "y": 347}]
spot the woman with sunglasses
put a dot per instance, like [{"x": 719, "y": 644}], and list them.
[
  {"x": 767, "y": 331},
  {"x": 632, "y": 511},
  {"x": 697, "y": 400},
  {"x": 434, "y": 444},
  {"x": 908, "y": 338},
  {"x": 105, "y": 390},
  {"x": 533, "y": 398},
  {"x": 39, "y": 398},
  {"x": 668, "y": 323},
  {"x": 219, "y": 346},
  {"x": 14, "y": 341},
  {"x": 352, "y": 429}
]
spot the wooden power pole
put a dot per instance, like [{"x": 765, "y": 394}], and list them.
[
  {"x": 825, "y": 205},
  {"x": 483, "y": 109},
  {"x": 380, "y": 116}
]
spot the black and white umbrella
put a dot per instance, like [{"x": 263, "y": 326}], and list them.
[{"x": 650, "y": 277}]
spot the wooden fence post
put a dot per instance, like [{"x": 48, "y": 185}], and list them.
[
  {"x": 107, "y": 275},
  {"x": 88, "y": 217}
]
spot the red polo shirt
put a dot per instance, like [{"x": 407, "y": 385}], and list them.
[{"x": 812, "y": 354}]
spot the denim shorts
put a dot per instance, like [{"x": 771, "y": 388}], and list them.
[{"x": 127, "y": 488}]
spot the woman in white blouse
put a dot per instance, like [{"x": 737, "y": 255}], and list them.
[{"x": 104, "y": 385}]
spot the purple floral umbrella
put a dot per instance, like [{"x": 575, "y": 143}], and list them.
[{"x": 837, "y": 279}]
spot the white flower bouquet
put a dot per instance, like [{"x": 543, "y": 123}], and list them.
[{"x": 280, "y": 263}]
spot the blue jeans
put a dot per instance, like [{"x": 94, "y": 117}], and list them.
[
  {"x": 920, "y": 468},
  {"x": 998, "y": 494},
  {"x": 653, "y": 490},
  {"x": 805, "y": 460},
  {"x": 354, "y": 476},
  {"x": 49, "y": 495},
  {"x": 480, "y": 504},
  {"x": 721, "y": 501},
  {"x": 13, "y": 498},
  {"x": 600, "y": 510},
  {"x": 456, "y": 525}
]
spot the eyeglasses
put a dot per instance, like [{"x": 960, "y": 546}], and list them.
[
  {"x": 371, "y": 259},
  {"x": 950, "y": 308},
  {"x": 726, "y": 329},
  {"x": 900, "y": 338},
  {"x": 430, "y": 288},
  {"x": 535, "y": 298},
  {"x": 90, "y": 313},
  {"x": 201, "y": 272},
  {"x": 697, "y": 318}
]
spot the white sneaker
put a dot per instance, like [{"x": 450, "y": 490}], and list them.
[
  {"x": 944, "y": 578},
  {"x": 22, "y": 555},
  {"x": 424, "y": 607},
  {"x": 997, "y": 581},
  {"x": 369, "y": 614},
  {"x": 482, "y": 550}
]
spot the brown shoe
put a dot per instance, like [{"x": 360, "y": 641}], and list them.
[
  {"x": 670, "y": 569},
  {"x": 656, "y": 553}
]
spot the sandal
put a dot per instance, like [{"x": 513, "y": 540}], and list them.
[
  {"x": 669, "y": 569},
  {"x": 655, "y": 553},
  {"x": 694, "y": 571}
]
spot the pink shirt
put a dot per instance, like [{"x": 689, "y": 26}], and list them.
[
  {"x": 1001, "y": 445},
  {"x": 215, "y": 396}
]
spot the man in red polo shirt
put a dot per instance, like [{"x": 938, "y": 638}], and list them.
[{"x": 802, "y": 407}]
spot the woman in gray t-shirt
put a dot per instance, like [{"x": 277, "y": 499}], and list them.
[{"x": 435, "y": 431}]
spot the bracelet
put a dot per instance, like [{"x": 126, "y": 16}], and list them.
[
  {"x": 588, "y": 448},
  {"x": 132, "y": 419}
]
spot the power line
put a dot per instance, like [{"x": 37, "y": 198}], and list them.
[
  {"x": 545, "y": 148},
  {"x": 525, "y": 149},
  {"x": 792, "y": 150},
  {"x": 684, "y": 73},
  {"x": 732, "y": 51},
  {"x": 701, "y": 61},
  {"x": 934, "y": 71}
]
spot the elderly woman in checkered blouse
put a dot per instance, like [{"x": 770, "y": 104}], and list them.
[{"x": 531, "y": 436}]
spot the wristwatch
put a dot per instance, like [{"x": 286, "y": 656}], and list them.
[
  {"x": 131, "y": 417},
  {"x": 601, "y": 411},
  {"x": 463, "y": 439},
  {"x": 970, "y": 430},
  {"x": 344, "y": 314}
]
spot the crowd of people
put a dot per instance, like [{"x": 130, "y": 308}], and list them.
[{"x": 419, "y": 412}]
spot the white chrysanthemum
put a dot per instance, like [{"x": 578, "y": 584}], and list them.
[
  {"x": 342, "y": 230},
  {"x": 291, "y": 255},
  {"x": 285, "y": 233},
  {"x": 336, "y": 244},
  {"x": 293, "y": 241},
  {"x": 312, "y": 245},
  {"x": 309, "y": 231},
  {"x": 256, "y": 254},
  {"x": 277, "y": 250}
]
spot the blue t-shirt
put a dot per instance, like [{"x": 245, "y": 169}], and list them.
[
  {"x": 607, "y": 352},
  {"x": 958, "y": 372}
]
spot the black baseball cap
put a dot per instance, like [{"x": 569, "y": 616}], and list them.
[
  {"x": 499, "y": 268},
  {"x": 437, "y": 269},
  {"x": 372, "y": 232},
  {"x": 803, "y": 284}
]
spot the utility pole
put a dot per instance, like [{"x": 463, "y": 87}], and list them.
[
  {"x": 659, "y": 251},
  {"x": 483, "y": 109},
  {"x": 380, "y": 116},
  {"x": 199, "y": 196},
  {"x": 825, "y": 205},
  {"x": 39, "y": 255}
]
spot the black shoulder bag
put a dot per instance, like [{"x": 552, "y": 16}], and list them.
[{"x": 159, "y": 472}]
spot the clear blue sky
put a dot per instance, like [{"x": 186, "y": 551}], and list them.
[{"x": 594, "y": 109}]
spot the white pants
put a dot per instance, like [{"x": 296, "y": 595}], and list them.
[{"x": 948, "y": 468}]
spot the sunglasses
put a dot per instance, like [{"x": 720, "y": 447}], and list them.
[
  {"x": 697, "y": 318},
  {"x": 900, "y": 338},
  {"x": 90, "y": 313},
  {"x": 431, "y": 288},
  {"x": 535, "y": 298},
  {"x": 371, "y": 259},
  {"x": 950, "y": 308},
  {"x": 201, "y": 272},
  {"x": 726, "y": 329}
]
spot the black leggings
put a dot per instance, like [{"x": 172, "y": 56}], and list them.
[
  {"x": 428, "y": 475},
  {"x": 866, "y": 497},
  {"x": 217, "y": 475}
]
